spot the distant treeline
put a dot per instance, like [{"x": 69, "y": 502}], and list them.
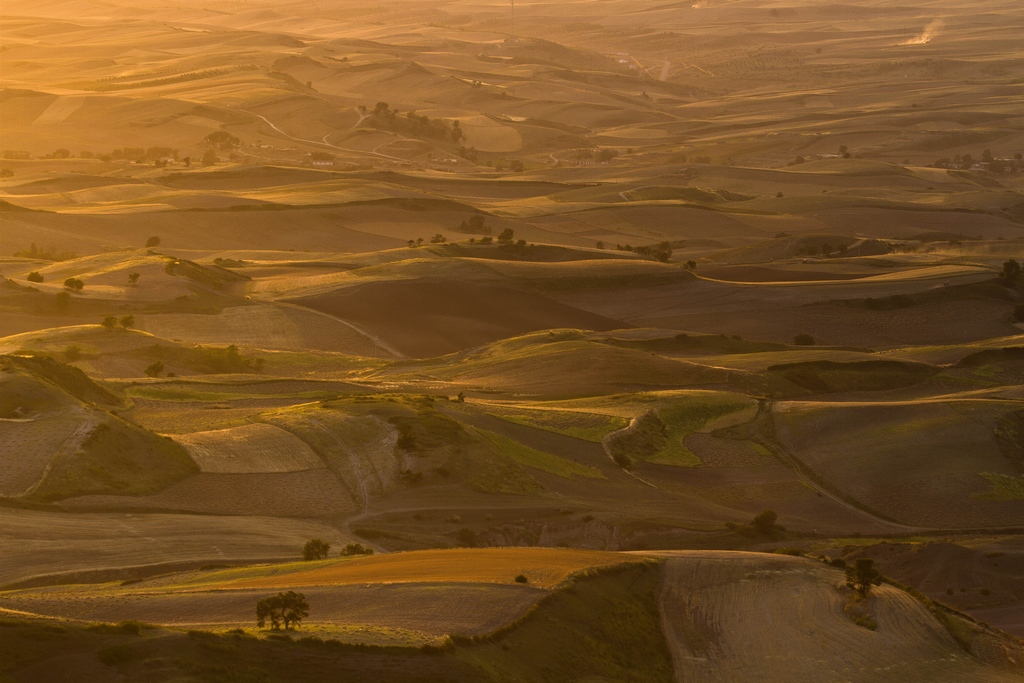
[
  {"x": 47, "y": 254},
  {"x": 412, "y": 124}
]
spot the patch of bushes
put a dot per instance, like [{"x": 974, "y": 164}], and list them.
[
  {"x": 207, "y": 360},
  {"x": 355, "y": 549},
  {"x": 46, "y": 254}
]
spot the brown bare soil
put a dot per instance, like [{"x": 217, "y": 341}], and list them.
[{"x": 432, "y": 318}]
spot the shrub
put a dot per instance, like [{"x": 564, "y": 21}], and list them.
[
  {"x": 355, "y": 549},
  {"x": 34, "y": 276},
  {"x": 522, "y": 579},
  {"x": 467, "y": 537}
]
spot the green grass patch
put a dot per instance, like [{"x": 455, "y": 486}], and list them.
[
  {"x": 689, "y": 414},
  {"x": 1005, "y": 487},
  {"x": 177, "y": 392},
  {"x": 116, "y": 458},
  {"x": 586, "y": 426},
  {"x": 606, "y": 626},
  {"x": 545, "y": 462}
]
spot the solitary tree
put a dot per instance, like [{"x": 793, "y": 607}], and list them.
[
  {"x": 127, "y": 322},
  {"x": 109, "y": 323},
  {"x": 154, "y": 369},
  {"x": 133, "y": 278},
  {"x": 315, "y": 549},
  {"x": 73, "y": 284},
  {"x": 765, "y": 522},
  {"x": 690, "y": 265},
  {"x": 284, "y": 608},
  {"x": 506, "y": 236},
  {"x": 34, "y": 276},
  {"x": 1010, "y": 273},
  {"x": 863, "y": 575}
]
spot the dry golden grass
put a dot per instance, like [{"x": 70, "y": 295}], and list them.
[
  {"x": 249, "y": 449},
  {"x": 544, "y": 567}
]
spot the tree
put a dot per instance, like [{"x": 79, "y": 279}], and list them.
[
  {"x": 284, "y": 608},
  {"x": 34, "y": 276},
  {"x": 154, "y": 369},
  {"x": 690, "y": 265},
  {"x": 765, "y": 522},
  {"x": 863, "y": 575},
  {"x": 153, "y": 241},
  {"x": 209, "y": 157},
  {"x": 109, "y": 323},
  {"x": 506, "y": 236},
  {"x": 1010, "y": 273},
  {"x": 600, "y": 244},
  {"x": 438, "y": 239},
  {"x": 133, "y": 278},
  {"x": 411, "y": 243},
  {"x": 315, "y": 549},
  {"x": 73, "y": 284},
  {"x": 127, "y": 322}
]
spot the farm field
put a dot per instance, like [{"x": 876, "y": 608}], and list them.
[{"x": 597, "y": 341}]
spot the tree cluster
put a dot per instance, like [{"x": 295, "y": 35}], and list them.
[
  {"x": 45, "y": 254},
  {"x": 412, "y": 124},
  {"x": 657, "y": 252},
  {"x": 476, "y": 225}
]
